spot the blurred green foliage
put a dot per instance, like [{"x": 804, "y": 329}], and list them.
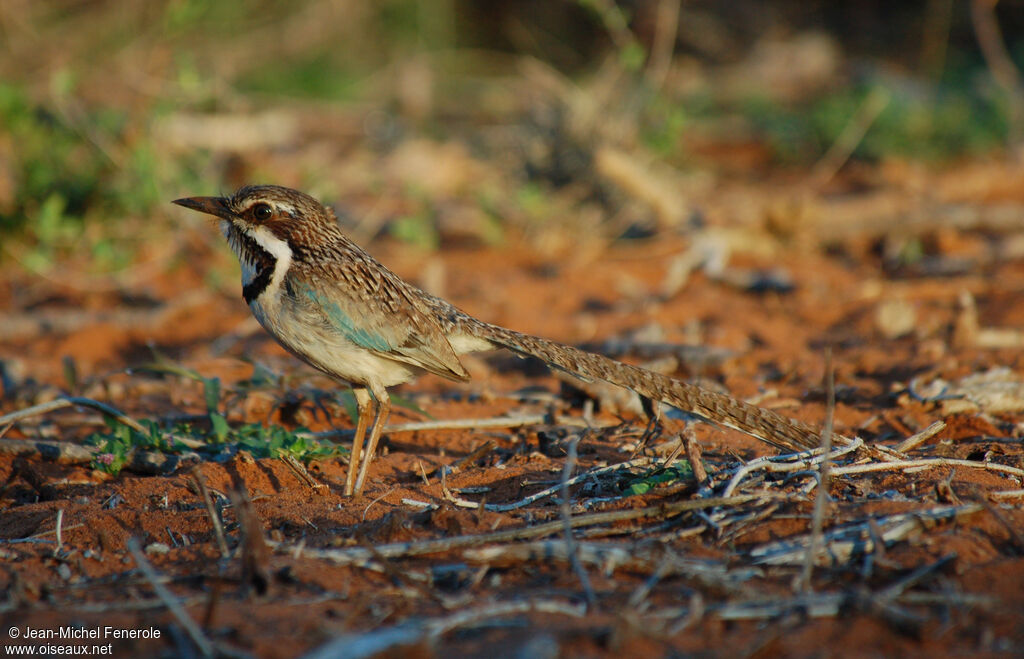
[
  {"x": 317, "y": 76},
  {"x": 946, "y": 122},
  {"x": 69, "y": 160},
  {"x": 77, "y": 134},
  {"x": 56, "y": 168}
]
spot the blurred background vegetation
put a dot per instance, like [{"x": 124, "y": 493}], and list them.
[{"x": 443, "y": 120}]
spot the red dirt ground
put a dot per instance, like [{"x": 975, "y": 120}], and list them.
[{"x": 886, "y": 325}]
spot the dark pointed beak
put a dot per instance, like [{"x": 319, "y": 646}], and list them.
[{"x": 210, "y": 205}]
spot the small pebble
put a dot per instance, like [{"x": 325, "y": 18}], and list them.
[{"x": 157, "y": 548}]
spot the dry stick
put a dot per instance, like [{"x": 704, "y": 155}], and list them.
[
  {"x": 374, "y": 643},
  {"x": 458, "y": 501},
  {"x": 830, "y": 604},
  {"x": 671, "y": 457},
  {"x": 639, "y": 596},
  {"x": 377, "y": 500},
  {"x": 41, "y": 408},
  {"x": 817, "y": 518},
  {"x": 441, "y": 626},
  {"x": 255, "y": 555},
  {"x": 824, "y": 605},
  {"x": 893, "y": 591},
  {"x": 693, "y": 616},
  {"x": 218, "y": 528},
  {"x": 423, "y": 472},
  {"x": 843, "y": 542},
  {"x": 803, "y": 460},
  {"x": 505, "y": 507},
  {"x": 743, "y": 524},
  {"x": 204, "y": 644},
  {"x": 60, "y": 452},
  {"x": 473, "y": 456},
  {"x": 404, "y": 549},
  {"x": 60, "y": 532},
  {"x": 915, "y": 440},
  {"x": 950, "y": 600},
  {"x": 693, "y": 454},
  {"x": 470, "y": 458},
  {"x": 570, "y": 541},
  {"x": 927, "y": 462},
  {"x": 69, "y": 401},
  {"x": 303, "y": 474}
]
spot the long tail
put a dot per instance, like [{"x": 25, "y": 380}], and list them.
[{"x": 768, "y": 426}]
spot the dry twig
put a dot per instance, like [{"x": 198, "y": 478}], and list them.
[
  {"x": 795, "y": 462},
  {"x": 927, "y": 462},
  {"x": 505, "y": 507},
  {"x": 570, "y": 541},
  {"x": 255, "y": 554},
  {"x": 215, "y": 521},
  {"x": 843, "y": 542},
  {"x": 818, "y": 517},
  {"x": 915, "y": 440},
  {"x": 203, "y": 643},
  {"x": 362, "y": 555}
]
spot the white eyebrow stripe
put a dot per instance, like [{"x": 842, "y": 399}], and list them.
[{"x": 282, "y": 206}]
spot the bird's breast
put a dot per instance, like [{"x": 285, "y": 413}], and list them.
[{"x": 300, "y": 329}]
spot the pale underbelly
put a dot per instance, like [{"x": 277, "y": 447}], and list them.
[{"x": 331, "y": 352}]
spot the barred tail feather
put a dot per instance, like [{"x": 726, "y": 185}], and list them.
[{"x": 768, "y": 426}]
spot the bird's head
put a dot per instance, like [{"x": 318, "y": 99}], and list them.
[
  {"x": 265, "y": 209},
  {"x": 270, "y": 228},
  {"x": 271, "y": 222}
]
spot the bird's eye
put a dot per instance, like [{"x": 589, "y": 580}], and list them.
[{"x": 262, "y": 211}]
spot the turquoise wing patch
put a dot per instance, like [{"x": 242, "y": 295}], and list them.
[{"x": 347, "y": 325}]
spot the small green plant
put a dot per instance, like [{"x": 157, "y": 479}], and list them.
[
  {"x": 117, "y": 444},
  {"x": 678, "y": 471},
  {"x": 274, "y": 442}
]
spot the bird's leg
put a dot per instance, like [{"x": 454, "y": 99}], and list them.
[
  {"x": 383, "y": 411},
  {"x": 363, "y": 404},
  {"x": 653, "y": 429}
]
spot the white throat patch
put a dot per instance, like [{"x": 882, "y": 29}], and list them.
[
  {"x": 281, "y": 252},
  {"x": 267, "y": 241}
]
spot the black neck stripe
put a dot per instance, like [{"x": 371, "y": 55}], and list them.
[{"x": 263, "y": 263}]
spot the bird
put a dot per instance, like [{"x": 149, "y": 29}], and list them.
[{"x": 334, "y": 306}]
